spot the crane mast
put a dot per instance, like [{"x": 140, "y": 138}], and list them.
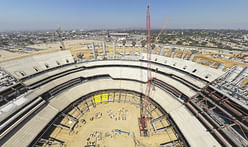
[{"x": 145, "y": 102}]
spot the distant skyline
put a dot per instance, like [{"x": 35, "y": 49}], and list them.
[{"x": 28, "y": 15}]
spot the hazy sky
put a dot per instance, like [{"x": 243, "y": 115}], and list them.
[{"x": 98, "y": 14}]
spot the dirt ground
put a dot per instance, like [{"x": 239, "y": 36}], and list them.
[
  {"x": 79, "y": 47},
  {"x": 104, "y": 119}
]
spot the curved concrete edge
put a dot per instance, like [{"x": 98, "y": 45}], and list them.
[
  {"x": 32, "y": 128},
  {"x": 37, "y": 61},
  {"x": 200, "y": 70},
  {"x": 162, "y": 68},
  {"x": 124, "y": 73},
  {"x": 194, "y": 132},
  {"x": 114, "y": 72},
  {"x": 190, "y": 126}
]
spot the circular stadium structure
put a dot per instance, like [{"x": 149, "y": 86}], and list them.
[{"x": 53, "y": 100}]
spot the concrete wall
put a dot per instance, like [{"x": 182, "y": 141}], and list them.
[
  {"x": 27, "y": 66},
  {"x": 114, "y": 72},
  {"x": 162, "y": 68},
  {"x": 205, "y": 72}
]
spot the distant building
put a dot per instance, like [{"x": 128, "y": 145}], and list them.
[
  {"x": 119, "y": 36},
  {"x": 246, "y": 37}
]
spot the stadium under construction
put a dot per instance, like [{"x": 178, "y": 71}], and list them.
[{"x": 136, "y": 95}]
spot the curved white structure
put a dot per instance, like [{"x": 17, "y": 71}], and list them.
[{"x": 49, "y": 92}]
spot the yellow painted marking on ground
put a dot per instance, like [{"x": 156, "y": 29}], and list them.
[
  {"x": 100, "y": 98},
  {"x": 97, "y": 99},
  {"x": 104, "y": 97}
]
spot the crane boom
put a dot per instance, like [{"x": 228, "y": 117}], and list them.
[
  {"x": 60, "y": 38},
  {"x": 162, "y": 30}
]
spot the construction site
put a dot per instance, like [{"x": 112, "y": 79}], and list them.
[
  {"x": 103, "y": 119},
  {"x": 92, "y": 93}
]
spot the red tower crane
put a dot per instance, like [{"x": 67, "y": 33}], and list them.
[{"x": 145, "y": 102}]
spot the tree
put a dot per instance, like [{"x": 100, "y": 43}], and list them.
[
  {"x": 133, "y": 43},
  {"x": 153, "y": 46},
  {"x": 143, "y": 43},
  {"x": 179, "y": 43},
  {"x": 124, "y": 42},
  {"x": 204, "y": 43}
]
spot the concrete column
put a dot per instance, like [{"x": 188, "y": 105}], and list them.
[
  {"x": 133, "y": 51},
  {"x": 162, "y": 51},
  {"x": 172, "y": 54},
  {"x": 104, "y": 48},
  {"x": 93, "y": 50},
  {"x": 79, "y": 111},
  {"x": 221, "y": 66},
  {"x": 123, "y": 49},
  {"x": 183, "y": 55},
  {"x": 114, "y": 48},
  {"x": 193, "y": 52},
  {"x": 175, "y": 55},
  {"x": 191, "y": 57}
]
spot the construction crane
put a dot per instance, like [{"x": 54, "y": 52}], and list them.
[
  {"x": 145, "y": 102},
  {"x": 62, "y": 47},
  {"x": 159, "y": 34},
  {"x": 162, "y": 30},
  {"x": 144, "y": 117}
]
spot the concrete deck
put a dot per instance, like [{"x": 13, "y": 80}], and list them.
[
  {"x": 29, "y": 65},
  {"x": 185, "y": 120},
  {"x": 114, "y": 72}
]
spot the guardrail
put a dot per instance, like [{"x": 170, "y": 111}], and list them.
[
  {"x": 11, "y": 92},
  {"x": 10, "y": 123},
  {"x": 224, "y": 119}
]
